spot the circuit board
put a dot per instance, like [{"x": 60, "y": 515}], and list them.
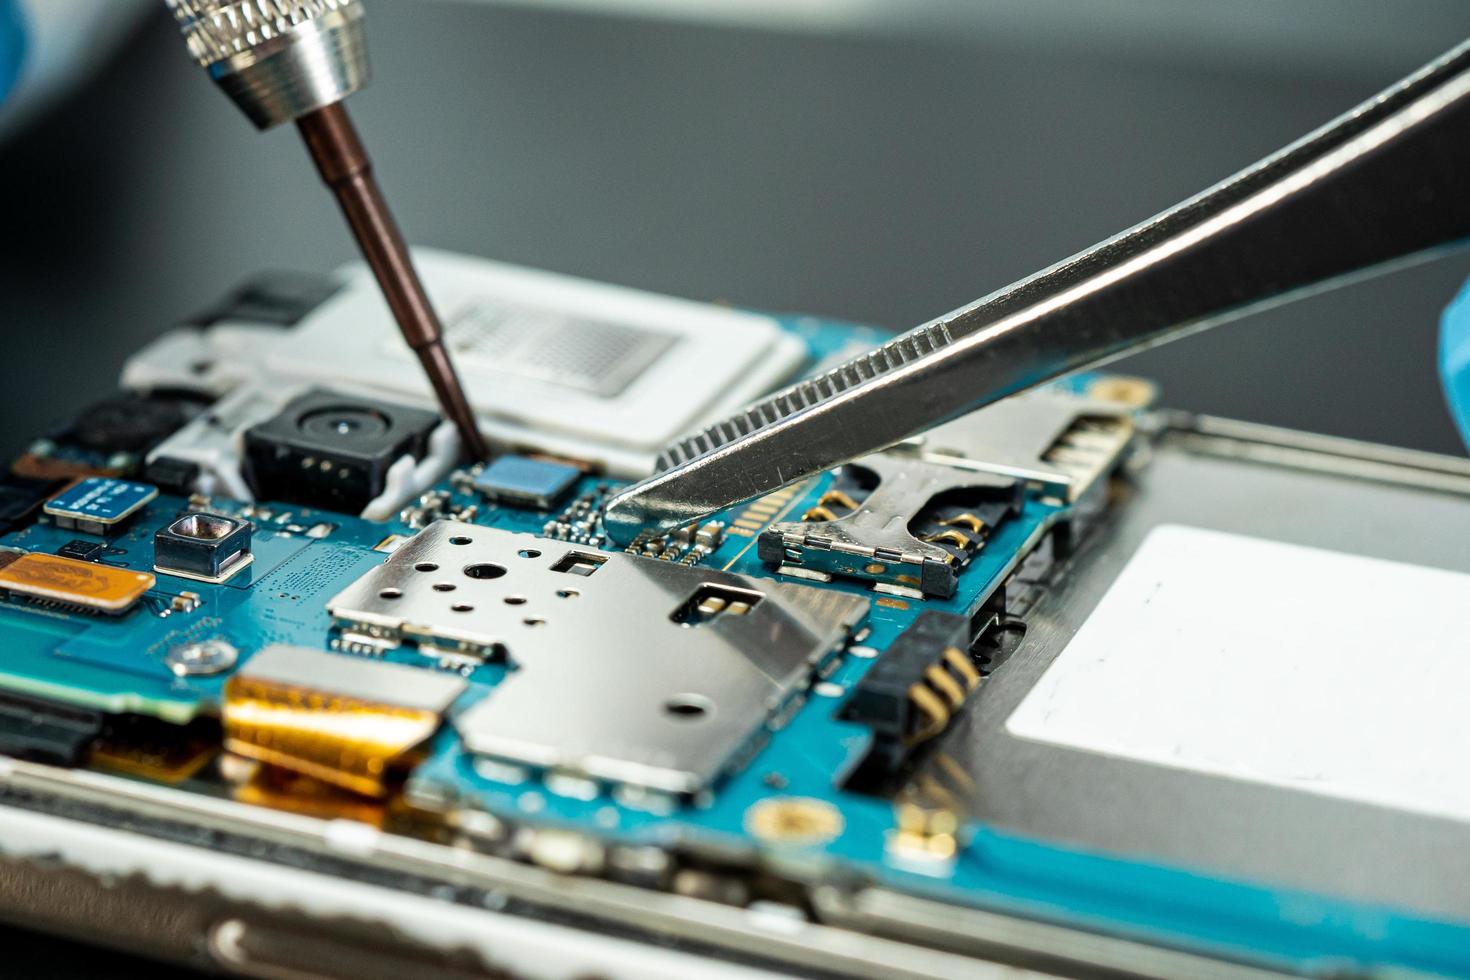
[{"x": 508, "y": 674}]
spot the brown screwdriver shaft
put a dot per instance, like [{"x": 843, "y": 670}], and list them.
[{"x": 338, "y": 153}]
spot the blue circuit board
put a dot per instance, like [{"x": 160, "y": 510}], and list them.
[{"x": 303, "y": 557}]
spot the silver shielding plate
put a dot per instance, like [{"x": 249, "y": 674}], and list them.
[
  {"x": 1062, "y": 441},
  {"x": 628, "y": 670}
]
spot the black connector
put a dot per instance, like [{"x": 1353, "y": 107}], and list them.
[
  {"x": 128, "y": 423},
  {"x": 81, "y": 549},
  {"x": 280, "y": 299},
  {"x": 175, "y": 476},
  {"x": 909, "y": 695},
  {"x": 21, "y": 499},
  {"x": 44, "y": 731},
  {"x": 333, "y": 451}
]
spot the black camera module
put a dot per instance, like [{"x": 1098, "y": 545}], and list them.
[{"x": 333, "y": 451}]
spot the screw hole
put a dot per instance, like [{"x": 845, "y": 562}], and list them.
[
  {"x": 534, "y": 621},
  {"x": 515, "y": 600},
  {"x": 426, "y": 566},
  {"x": 567, "y": 593},
  {"x": 444, "y": 586},
  {"x": 390, "y": 594},
  {"x": 460, "y": 540},
  {"x": 484, "y": 570},
  {"x": 529, "y": 553},
  {"x": 462, "y": 607},
  {"x": 688, "y": 707}
]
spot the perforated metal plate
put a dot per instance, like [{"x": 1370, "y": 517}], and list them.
[{"x": 628, "y": 670}]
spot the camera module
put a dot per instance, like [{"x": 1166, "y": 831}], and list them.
[{"x": 333, "y": 451}]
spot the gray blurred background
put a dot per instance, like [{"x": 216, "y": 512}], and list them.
[{"x": 878, "y": 160}]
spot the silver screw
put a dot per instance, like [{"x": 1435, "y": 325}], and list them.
[{"x": 204, "y": 657}]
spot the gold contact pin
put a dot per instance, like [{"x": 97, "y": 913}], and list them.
[
  {"x": 924, "y": 832},
  {"x": 963, "y": 667},
  {"x": 938, "y": 800},
  {"x": 911, "y": 818},
  {"x": 839, "y": 498},
  {"x": 966, "y": 520},
  {"x": 946, "y": 685},
  {"x": 819, "y": 513},
  {"x": 954, "y": 772},
  {"x": 936, "y": 714},
  {"x": 956, "y": 538}
]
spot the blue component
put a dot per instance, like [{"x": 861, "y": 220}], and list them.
[
  {"x": 12, "y": 45},
  {"x": 1454, "y": 359},
  {"x": 98, "y": 503},
  {"x": 525, "y": 482}
]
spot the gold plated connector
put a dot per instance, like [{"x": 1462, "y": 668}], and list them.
[
  {"x": 836, "y": 498},
  {"x": 966, "y": 520},
  {"x": 339, "y": 720},
  {"x": 82, "y": 584},
  {"x": 339, "y": 740},
  {"x": 956, "y": 538},
  {"x": 941, "y": 693},
  {"x": 923, "y": 834},
  {"x": 827, "y": 506}
]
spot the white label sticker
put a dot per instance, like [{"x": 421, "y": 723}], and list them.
[{"x": 1272, "y": 663}]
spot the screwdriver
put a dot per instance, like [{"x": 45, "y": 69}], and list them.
[{"x": 296, "y": 61}]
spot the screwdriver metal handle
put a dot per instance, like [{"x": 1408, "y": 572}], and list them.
[
  {"x": 1383, "y": 185},
  {"x": 278, "y": 59}
]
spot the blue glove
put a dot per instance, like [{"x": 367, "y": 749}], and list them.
[
  {"x": 12, "y": 45},
  {"x": 1454, "y": 359}
]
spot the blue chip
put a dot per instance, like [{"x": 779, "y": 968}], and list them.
[
  {"x": 527, "y": 482},
  {"x": 98, "y": 503}
]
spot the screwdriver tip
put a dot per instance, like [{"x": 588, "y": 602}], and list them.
[{"x": 335, "y": 147}]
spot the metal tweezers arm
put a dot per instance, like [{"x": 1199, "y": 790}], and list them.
[{"x": 1381, "y": 186}]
